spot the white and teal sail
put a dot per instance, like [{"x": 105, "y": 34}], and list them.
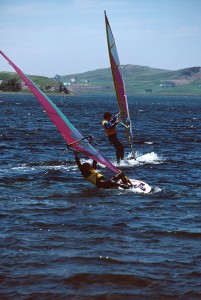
[{"x": 72, "y": 136}]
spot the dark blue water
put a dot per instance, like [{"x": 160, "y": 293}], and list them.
[{"x": 62, "y": 238}]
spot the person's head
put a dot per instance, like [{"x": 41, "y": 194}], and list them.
[
  {"x": 87, "y": 166},
  {"x": 107, "y": 116}
]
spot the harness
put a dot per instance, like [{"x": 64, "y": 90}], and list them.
[
  {"x": 92, "y": 178},
  {"x": 107, "y": 130}
]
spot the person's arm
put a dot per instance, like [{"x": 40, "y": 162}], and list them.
[
  {"x": 78, "y": 161},
  {"x": 85, "y": 173},
  {"x": 94, "y": 164},
  {"x": 113, "y": 120},
  {"x": 110, "y": 125},
  {"x": 116, "y": 118}
]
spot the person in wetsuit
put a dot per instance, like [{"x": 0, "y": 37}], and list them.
[
  {"x": 90, "y": 173},
  {"x": 109, "y": 124}
]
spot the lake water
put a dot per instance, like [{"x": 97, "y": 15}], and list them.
[{"x": 62, "y": 238}]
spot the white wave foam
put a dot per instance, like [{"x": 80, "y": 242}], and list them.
[
  {"x": 149, "y": 143},
  {"x": 150, "y": 158},
  {"x": 27, "y": 168},
  {"x": 156, "y": 190}
]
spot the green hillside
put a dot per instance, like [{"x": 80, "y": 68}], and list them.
[
  {"x": 11, "y": 82},
  {"x": 41, "y": 80},
  {"x": 139, "y": 80}
]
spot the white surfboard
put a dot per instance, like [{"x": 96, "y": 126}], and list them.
[{"x": 140, "y": 186}]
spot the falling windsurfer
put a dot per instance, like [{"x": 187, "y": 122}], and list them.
[
  {"x": 90, "y": 173},
  {"x": 109, "y": 124}
]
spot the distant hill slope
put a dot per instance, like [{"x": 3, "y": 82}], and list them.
[
  {"x": 138, "y": 80},
  {"x": 11, "y": 82}
]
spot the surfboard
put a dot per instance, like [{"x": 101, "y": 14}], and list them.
[{"x": 139, "y": 186}]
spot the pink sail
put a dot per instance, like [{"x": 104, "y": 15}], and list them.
[
  {"x": 119, "y": 84},
  {"x": 72, "y": 136}
]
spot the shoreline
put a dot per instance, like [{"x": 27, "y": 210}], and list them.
[
  {"x": 105, "y": 94},
  {"x": 30, "y": 93}
]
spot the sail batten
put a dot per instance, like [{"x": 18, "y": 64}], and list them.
[
  {"x": 72, "y": 136},
  {"x": 119, "y": 84}
]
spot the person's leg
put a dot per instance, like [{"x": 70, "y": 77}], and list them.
[
  {"x": 119, "y": 150},
  {"x": 111, "y": 183},
  {"x": 118, "y": 146},
  {"x": 106, "y": 184}
]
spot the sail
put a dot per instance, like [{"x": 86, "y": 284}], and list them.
[
  {"x": 119, "y": 83},
  {"x": 72, "y": 136}
]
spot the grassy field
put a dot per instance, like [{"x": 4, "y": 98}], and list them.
[{"x": 138, "y": 79}]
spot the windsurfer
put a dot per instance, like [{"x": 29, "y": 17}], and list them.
[
  {"x": 90, "y": 173},
  {"x": 109, "y": 124}
]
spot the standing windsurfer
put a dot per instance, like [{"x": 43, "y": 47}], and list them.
[
  {"x": 109, "y": 124},
  {"x": 90, "y": 173}
]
